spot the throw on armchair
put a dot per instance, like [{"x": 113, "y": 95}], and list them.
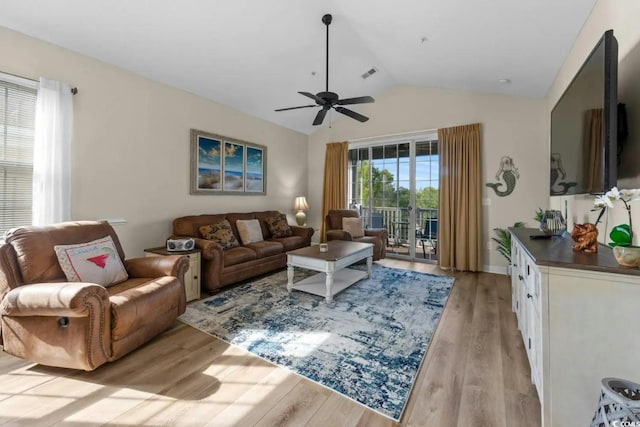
[
  {"x": 336, "y": 231},
  {"x": 49, "y": 318}
]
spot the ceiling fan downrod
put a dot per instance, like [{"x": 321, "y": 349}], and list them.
[{"x": 326, "y": 20}]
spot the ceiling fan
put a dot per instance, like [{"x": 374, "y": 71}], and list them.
[{"x": 328, "y": 100}]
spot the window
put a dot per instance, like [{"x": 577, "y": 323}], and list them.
[
  {"x": 17, "y": 122},
  {"x": 394, "y": 184}
]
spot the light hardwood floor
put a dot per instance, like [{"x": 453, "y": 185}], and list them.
[{"x": 474, "y": 374}]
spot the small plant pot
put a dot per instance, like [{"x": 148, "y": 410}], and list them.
[{"x": 629, "y": 256}]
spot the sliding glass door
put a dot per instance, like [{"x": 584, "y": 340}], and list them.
[{"x": 394, "y": 185}]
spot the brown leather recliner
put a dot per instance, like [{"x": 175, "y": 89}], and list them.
[
  {"x": 47, "y": 320},
  {"x": 377, "y": 236}
]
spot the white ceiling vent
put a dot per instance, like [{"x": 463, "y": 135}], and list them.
[{"x": 369, "y": 73}]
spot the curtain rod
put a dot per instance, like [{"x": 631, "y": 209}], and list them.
[
  {"x": 391, "y": 135},
  {"x": 74, "y": 90}
]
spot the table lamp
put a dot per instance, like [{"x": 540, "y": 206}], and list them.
[{"x": 301, "y": 205}]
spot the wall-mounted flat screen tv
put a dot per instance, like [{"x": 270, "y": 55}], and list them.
[{"x": 584, "y": 126}]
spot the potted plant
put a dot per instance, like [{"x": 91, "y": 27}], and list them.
[
  {"x": 539, "y": 216},
  {"x": 503, "y": 239},
  {"x": 621, "y": 235}
]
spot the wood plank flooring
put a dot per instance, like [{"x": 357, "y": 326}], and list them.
[{"x": 474, "y": 374}]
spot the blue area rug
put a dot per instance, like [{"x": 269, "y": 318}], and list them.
[{"x": 367, "y": 345}]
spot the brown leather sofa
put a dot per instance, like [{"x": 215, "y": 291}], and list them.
[
  {"x": 377, "y": 236},
  {"x": 224, "y": 267},
  {"x": 47, "y": 320}
]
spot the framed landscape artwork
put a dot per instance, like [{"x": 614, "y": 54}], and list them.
[{"x": 224, "y": 165}]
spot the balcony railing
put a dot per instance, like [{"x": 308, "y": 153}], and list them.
[{"x": 396, "y": 221}]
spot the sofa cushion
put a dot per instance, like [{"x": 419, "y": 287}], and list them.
[
  {"x": 221, "y": 233},
  {"x": 234, "y": 217},
  {"x": 292, "y": 242},
  {"x": 190, "y": 225},
  {"x": 262, "y": 216},
  {"x": 266, "y": 248},
  {"x": 92, "y": 262},
  {"x": 237, "y": 255},
  {"x": 335, "y": 217},
  {"x": 353, "y": 226},
  {"x": 249, "y": 231},
  {"x": 278, "y": 225}
]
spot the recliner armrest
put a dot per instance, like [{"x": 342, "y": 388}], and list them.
[
  {"x": 70, "y": 299},
  {"x": 65, "y": 324},
  {"x": 339, "y": 235},
  {"x": 157, "y": 266},
  {"x": 382, "y": 232}
]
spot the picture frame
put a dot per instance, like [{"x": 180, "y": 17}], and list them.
[{"x": 221, "y": 165}]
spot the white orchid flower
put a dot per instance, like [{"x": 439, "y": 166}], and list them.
[
  {"x": 613, "y": 194},
  {"x": 626, "y": 196},
  {"x": 630, "y": 195},
  {"x": 603, "y": 201}
]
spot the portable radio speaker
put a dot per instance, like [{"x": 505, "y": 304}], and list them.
[{"x": 175, "y": 245}]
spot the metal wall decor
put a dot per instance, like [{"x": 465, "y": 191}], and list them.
[{"x": 509, "y": 174}]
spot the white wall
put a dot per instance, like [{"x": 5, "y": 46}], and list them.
[
  {"x": 131, "y": 144},
  {"x": 619, "y": 15},
  {"x": 511, "y": 126}
]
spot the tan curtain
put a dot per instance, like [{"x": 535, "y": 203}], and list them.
[
  {"x": 595, "y": 145},
  {"x": 334, "y": 195},
  {"x": 460, "y": 207}
]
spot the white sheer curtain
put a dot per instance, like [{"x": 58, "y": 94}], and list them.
[{"x": 52, "y": 153}]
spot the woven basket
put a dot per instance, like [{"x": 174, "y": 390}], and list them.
[{"x": 619, "y": 401}]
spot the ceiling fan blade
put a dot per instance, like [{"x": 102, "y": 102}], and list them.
[
  {"x": 319, "y": 100},
  {"x": 358, "y": 100},
  {"x": 295, "y": 108},
  {"x": 352, "y": 114},
  {"x": 320, "y": 117}
]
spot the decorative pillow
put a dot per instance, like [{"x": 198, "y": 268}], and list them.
[
  {"x": 93, "y": 262},
  {"x": 249, "y": 230},
  {"x": 278, "y": 225},
  {"x": 353, "y": 226},
  {"x": 221, "y": 233}
]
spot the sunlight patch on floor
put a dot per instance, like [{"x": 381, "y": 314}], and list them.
[{"x": 118, "y": 400}]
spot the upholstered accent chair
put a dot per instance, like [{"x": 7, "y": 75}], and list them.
[
  {"x": 336, "y": 231},
  {"x": 47, "y": 319}
]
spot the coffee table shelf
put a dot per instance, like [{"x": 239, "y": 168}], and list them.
[{"x": 334, "y": 276}]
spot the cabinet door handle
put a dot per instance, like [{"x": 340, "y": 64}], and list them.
[
  {"x": 520, "y": 277},
  {"x": 529, "y": 295}
]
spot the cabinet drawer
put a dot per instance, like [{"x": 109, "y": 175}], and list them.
[{"x": 532, "y": 284}]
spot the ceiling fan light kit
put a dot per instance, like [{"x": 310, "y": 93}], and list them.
[{"x": 327, "y": 99}]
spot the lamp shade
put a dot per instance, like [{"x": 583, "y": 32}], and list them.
[{"x": 301, "y": 204}]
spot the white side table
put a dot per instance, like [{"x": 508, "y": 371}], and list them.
[{"x": 191, "y": 277}]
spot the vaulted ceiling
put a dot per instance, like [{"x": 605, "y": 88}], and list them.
[{"x": 256, "y": 55}]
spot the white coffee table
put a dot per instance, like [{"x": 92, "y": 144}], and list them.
[{"x": 334, "y": 276}]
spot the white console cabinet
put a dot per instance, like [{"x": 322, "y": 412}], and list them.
[
  {"x": 525, "y": 288},
  {"x": 578, "y": 314}
]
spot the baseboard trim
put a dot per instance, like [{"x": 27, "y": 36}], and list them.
[{"x": 497, "y": 269}]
